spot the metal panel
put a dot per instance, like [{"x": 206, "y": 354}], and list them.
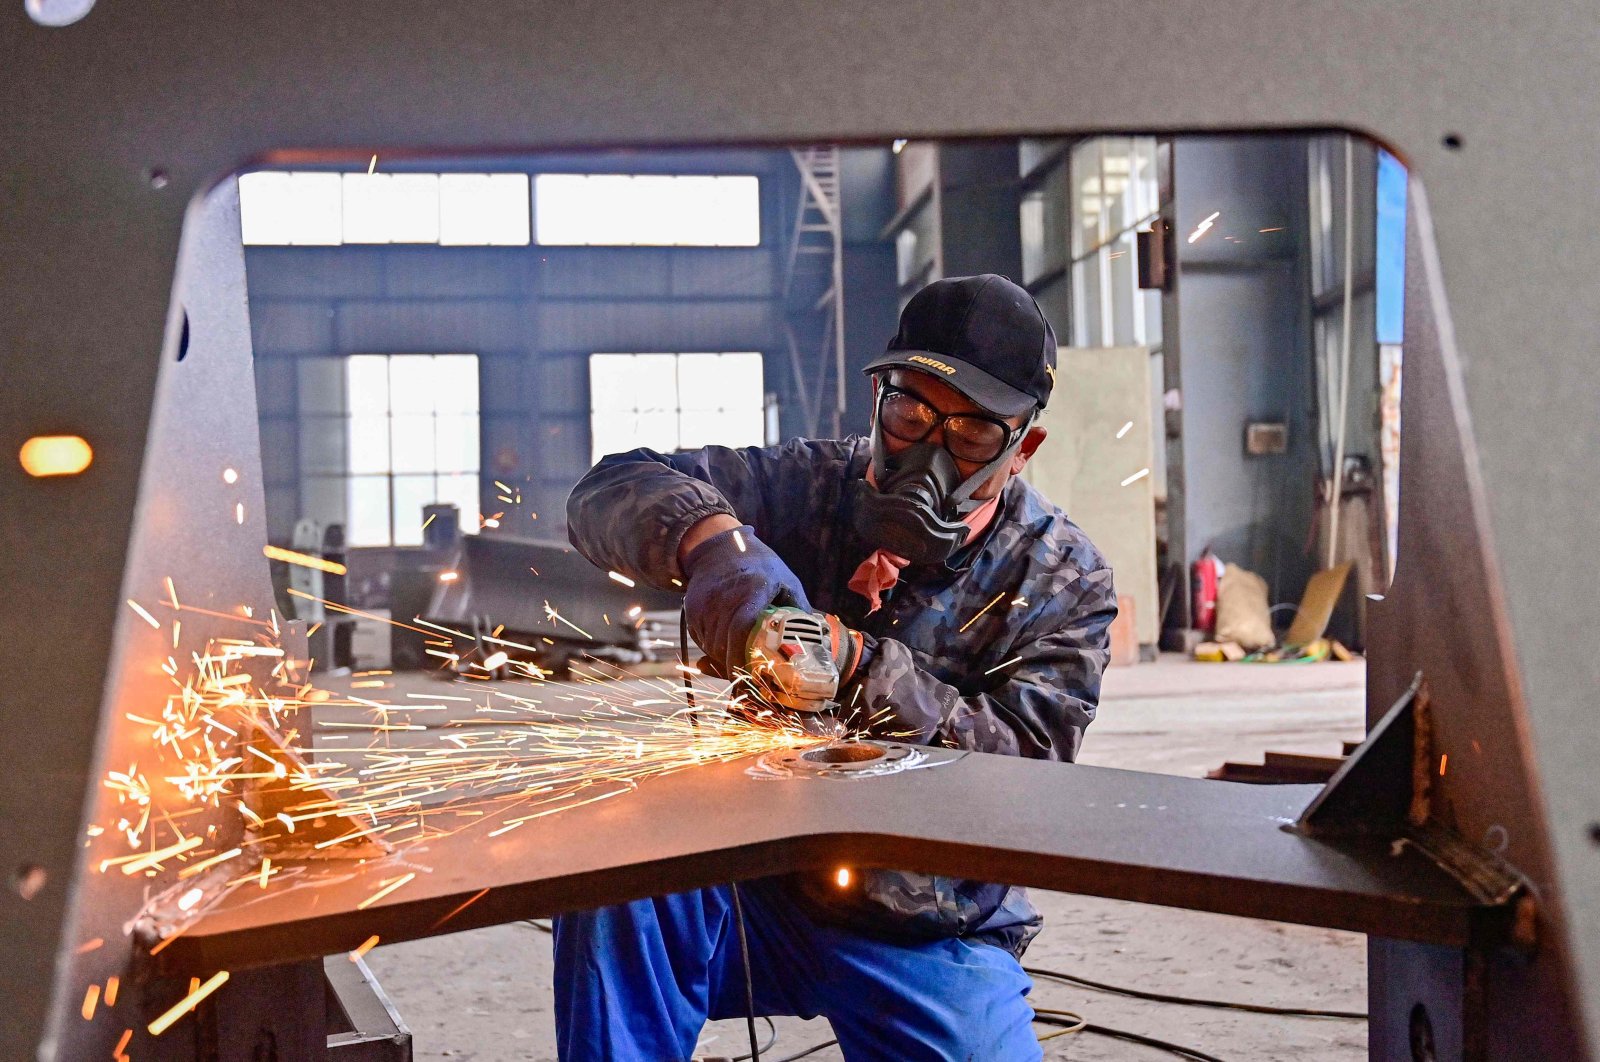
[
  {"x": 85, "y": 270},
  {"x": 1189, "y": 842}
]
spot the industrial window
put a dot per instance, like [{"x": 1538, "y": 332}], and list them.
[
  {"x": 674, "y": 401},
  {"x": 382, "y": 436},
  {"x": 646, "y": 210},
  {"x": 306, "y": 209},
  {"x": 1113, "y": 189}
]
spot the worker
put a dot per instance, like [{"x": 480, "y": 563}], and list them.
[{"x": 975, "y": 615}]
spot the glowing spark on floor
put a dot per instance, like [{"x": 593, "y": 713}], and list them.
[{"x": 187, "y": 1003}]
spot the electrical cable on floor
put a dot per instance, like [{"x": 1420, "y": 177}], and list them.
[
  {"x": 683, "y": 661},
  {"x": 1189, "y": 1001},
  {"x": 772, "y": 1038},
  {"x": 749, "y": 982},
  {"x": 1077, "y": 1024},
  {"x": 813, "y": 1049}
]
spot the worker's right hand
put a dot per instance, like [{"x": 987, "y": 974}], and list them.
[{"x": 732, "y": 577}]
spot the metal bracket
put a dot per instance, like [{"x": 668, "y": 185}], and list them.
[{"x": 1385, "y": 789}]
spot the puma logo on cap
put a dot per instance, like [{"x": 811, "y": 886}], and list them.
[{"x": 948, "y": 370}]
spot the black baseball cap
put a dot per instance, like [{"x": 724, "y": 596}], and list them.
[{"x": 984, "y": 336}]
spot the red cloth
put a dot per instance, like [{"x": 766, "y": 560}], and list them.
[{"x": 881, "y": 569}]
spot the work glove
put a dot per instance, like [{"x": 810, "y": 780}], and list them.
[{"x": 727, "y": 589}]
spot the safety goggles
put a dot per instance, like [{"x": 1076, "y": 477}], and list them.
[{"x": 973, "y": 437}]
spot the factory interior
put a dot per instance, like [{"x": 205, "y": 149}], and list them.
[
  {"x": 676, "y": 299},
  {"x": 388, "y": 712}
]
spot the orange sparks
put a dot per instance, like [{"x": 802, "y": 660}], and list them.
[
  {"x": 449, "y": 577},
  {"x": 144, "y": 861},
  {"x": 1444, "y": 763},
  {"x": 366, "y": 946},
  {"x": 111, "y": 991},
  {"x": 305, "y": 560},
  {"x": 266, "y": 870},
  {"x": 981, "y": 611},
  {"x": 187, "y": 1003},
  {"x": 843, "y": 877},
  {"x": 55, "y": 455},
  {"x": 207, "y": 864},
  {"x": 90, "y": 945},
  {"x": 460, "y": 907},
  {"x": 386, "y": 890},
  {"x": 623, "y": 579},
  {"x": 138, "y": 608},
  {"x": 116, "y": 1054},
  {"x": 91, "y": 999},
  {"x": 238, "y": 513}
]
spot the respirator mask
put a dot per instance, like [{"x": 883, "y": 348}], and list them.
[{"x": 917, "y": 506}]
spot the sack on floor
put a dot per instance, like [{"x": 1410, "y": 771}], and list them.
[{"x": 1243, "y": 614}]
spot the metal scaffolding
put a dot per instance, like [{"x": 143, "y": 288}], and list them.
[{"x": 813, "y": 288}]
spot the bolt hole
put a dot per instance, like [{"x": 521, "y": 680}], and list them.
[
  {"x": 55, "y": 13},
  {"x": 1594, "y": 832},
  {"x": 843, "y": 752},
  {"x": 183, "y": 338},
  {"x": 1452, "y": 141},
  {"x": 29, "y": 879},
  {"x": 1422, "y": 1042}
]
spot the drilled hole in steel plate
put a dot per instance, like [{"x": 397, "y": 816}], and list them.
[
  {"x": 1452, "y": 141},
  {"x": 57, "y": 12},
  {"x": 1423, "y": 1046},
  {"x": 843, "y": 752},
  {"x": 28, "y": 880}
]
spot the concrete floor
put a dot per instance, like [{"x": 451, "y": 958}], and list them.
[{"x": 485, "y": 995}]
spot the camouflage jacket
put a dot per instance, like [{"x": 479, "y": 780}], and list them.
[{"x": 1000, "y": 649}]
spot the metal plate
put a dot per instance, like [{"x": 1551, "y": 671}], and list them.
[{"x": 1186, "y": 842}]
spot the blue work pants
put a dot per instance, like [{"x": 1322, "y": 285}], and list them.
[{"x": 636, "y": 982}]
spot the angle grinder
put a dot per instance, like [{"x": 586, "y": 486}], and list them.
[{"x": 796, "y": 658}]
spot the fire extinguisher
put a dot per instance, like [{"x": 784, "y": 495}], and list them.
[{"x": 1203, "y": 576}]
